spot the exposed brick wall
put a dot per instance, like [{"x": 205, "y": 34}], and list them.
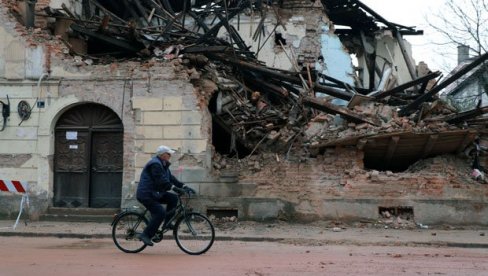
[{"x": 339, "y": 174}]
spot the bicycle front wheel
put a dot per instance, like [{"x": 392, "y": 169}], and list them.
[
  {"x": 125, "y": 229},
  {"x": 194, "y": 233}
]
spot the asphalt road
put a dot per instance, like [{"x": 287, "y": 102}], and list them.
[{"x": 66, "y": 256}]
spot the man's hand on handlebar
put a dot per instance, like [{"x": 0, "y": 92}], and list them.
[
  {"x": 184, "y": 189},
  {"x": 189, "y": 190}
]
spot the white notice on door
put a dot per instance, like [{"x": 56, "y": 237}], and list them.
[
  {"x": 71, "y": 135},
  {"x": 73, "y": 146}
]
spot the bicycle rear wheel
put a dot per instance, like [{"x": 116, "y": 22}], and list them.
[
  {"x": 125, "y": 229},
  {"x": 194, "y": 233}
]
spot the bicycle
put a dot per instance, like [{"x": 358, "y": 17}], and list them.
[{"x": 194, "y": 233}]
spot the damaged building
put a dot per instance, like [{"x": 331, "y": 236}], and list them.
[{"x": 287, "y": 109}]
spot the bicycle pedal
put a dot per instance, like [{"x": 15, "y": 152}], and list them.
[{"x": 157, "y": 237}]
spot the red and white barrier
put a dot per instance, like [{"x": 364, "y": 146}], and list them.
[{"x": 15, "y": 186}]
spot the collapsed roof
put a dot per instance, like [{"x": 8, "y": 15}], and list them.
[{"x": 259, "y": 108}]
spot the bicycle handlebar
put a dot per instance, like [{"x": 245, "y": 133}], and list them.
[
  {"x": 181, "y": 191},
  {"x": 178, "y": 190}
]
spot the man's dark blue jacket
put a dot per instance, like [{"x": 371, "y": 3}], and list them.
[{"x": 156, "y": 179}]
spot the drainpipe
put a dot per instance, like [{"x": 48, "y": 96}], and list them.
[
  {"x": 30, "y": 13},
  {"x": 38, "y": 103},
  {"x": 43, "y": 76}
]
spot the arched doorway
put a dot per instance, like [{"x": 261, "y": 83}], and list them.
[{"x": 88, "y": 158}]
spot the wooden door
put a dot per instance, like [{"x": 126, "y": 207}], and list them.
[
  {"x": 71, "y": 168},
  {"x": 88, "y": 158},
  {"x": 106, "y": 169}
]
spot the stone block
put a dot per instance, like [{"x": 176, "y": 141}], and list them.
[
  {"x": 18, "y": 92},
  {"x": 189, "y": 103},
  {"x": 141, "y": 159},
  {"x": 18, "y": 146},
  {"x": 182, "y": 132},
  {"x": 162, "y": 118},
  {"x": 143, "y": 103},
  {"x": 150, "y": 146},
  {"x": 264, "y": 210},
  {"x": 173, "y": 103},
  {"x": 220, "y": 189},
  {"x": 152, "y": 132},
  {"x": 139, "y": 131},
  {"x": 15, "y": 60},
  {"x": 34, "y": 62},
  {"x": 248, "y": 188},
  {"x": 194, "y": 146},
  {"x": 173, "y": 132},
  {"x": 192, "y": 174},
  {"x": 21, "y": 174},
  {"x": 191, "y": 118},
  {"x": 349, "y": 209},
  {"x": 13, "y": 132},
  {"x": 14, "y": 70}
]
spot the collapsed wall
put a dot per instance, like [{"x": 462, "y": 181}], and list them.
[{"x": 335, "y": 186}]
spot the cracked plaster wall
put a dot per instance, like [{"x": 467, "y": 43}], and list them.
[
  {"x": 156, "y": 105},
  {"x": 307, "y": 36},
  {"x": 130, "y": 89},
  {"x": 388, "y": 54}
]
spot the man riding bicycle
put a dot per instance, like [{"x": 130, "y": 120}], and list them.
[{"x": 155, "y": 182}]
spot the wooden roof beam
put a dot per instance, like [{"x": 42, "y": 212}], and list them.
[
  {"x": 334, "y": 109},
  {"x": 392, "y": 146},
  {"x": 429, "y": 145}
]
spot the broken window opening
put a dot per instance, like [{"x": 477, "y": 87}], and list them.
[
  {"x": 279, "y": 39},
  {"x": 223, "y": 139},
  {"x": 221, "y": 213},
  {"x": 98, "y": 48},
  {"x": 379, "y": 164},
  {"x": 403, "y": 212}
]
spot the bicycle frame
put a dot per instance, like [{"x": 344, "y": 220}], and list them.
[
  {"x": 181, "y": 209},
  {"x": 193, "y": 232}
]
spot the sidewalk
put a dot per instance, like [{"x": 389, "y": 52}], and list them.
[{"x": 312, "y": 234}]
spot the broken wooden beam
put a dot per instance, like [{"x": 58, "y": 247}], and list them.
[
  {"x": 334, "y": 109},
  {"x": 429, "y": 145},
  {"x": 407, "y": 110},
  {"x": 463, "y": 116},
  {"x": 406, "y": 85},
  {"x": 341, "y": 84},
  {"x": 392, "y": 145},
  {"x": 121, "y": 43},
  {"x": 406, "y": 57},
  {"x": 206, "y": 49},
  {"x": 278, "y": 74},
  {"x": 106, "y": 11}
]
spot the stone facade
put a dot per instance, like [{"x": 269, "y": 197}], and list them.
[{"x": 155, "y": 102}]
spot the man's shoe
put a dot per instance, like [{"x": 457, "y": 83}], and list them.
[
  {"x": 157, "y": 237},
  {"x": 145, "y": 239}
]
